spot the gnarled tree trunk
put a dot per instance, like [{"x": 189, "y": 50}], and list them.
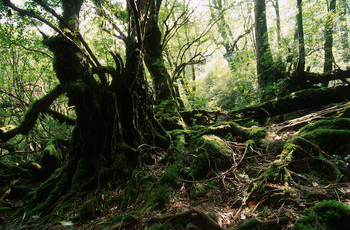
[{"x": 113, "y": 119}]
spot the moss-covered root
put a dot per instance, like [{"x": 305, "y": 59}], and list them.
[
  {"x": 224, "y": 129},
  {"x": 168, "y": 115},
  {"x": 168, "y": 181},
  {"x": 320, "y": 147}
]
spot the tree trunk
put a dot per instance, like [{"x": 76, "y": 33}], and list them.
[
  {"x": 344, "y": 31},
  {"x": 328, "y": 44},
  {"x": 299, "y": 74},
  {"x": 154, "y": 56},
  {"x": 164, "y": 91},
  {"x": 112, "y": 120},
  {"x": 280, "y": 64},
  {"x": 265, "y": 64}
]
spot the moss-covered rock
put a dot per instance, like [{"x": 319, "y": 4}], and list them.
[
  {"x": 332, "y": 136},
  {"x": 224, "y": 129},
  {"x": 328, "y": 215}
]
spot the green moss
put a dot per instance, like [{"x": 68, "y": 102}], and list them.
[
  {"x": 328, "y": 215},
  {"x": 178, "y": 137},
  {"x": 214, "y": 144},
  {"x": 170, "y": 177},
  {"x": 257, "y": 133},
  {"x": 272, "y": 172},
  {"x": 168, "y": 115},
  {"x": 176, "y": 149},
  {"x": 131, "y": 191},
  {"x": 51, "y": 157},
  {"x": 338, "y": 123},
  {"x": 329, "y": 140},
  {"x": 323, "y": 146}
]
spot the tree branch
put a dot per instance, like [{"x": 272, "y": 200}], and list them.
[
  {"x": 61, "y": 117},
  {"x": 32, "y": 114},
  {"x": 170, "y": 32},
  {"x": 33, "y": 50},
  {"x": 137, "y": 19}
]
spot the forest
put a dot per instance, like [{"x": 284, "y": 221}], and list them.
[{"x": 174, "y": 114}]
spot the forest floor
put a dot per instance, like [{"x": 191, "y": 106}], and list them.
[{"x": 226, "y": 200}]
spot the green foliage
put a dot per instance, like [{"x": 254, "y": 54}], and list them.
[
  {"x": 222, "y": 89},
  {"x": 328, "y": 215}
]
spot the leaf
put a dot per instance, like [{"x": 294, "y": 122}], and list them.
[{"x": 66, "y": 223}]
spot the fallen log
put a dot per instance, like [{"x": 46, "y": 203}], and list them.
[
  {"x": 304, "y": 99},
  {"x": 316, "y": 78}
]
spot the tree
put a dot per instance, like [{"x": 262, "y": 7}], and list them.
[
  {"x": 229, "y": 42},
  {"x": 275, "y": 4},
  {"x": 113, "y": 116},
  {"x": 154, "y": 59},
  {"x": 344, "y": 30},
  {"x": 328, "y": 34},
  {"x": 265, "y": 64},
  {"x": 299, "y": 73}
]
